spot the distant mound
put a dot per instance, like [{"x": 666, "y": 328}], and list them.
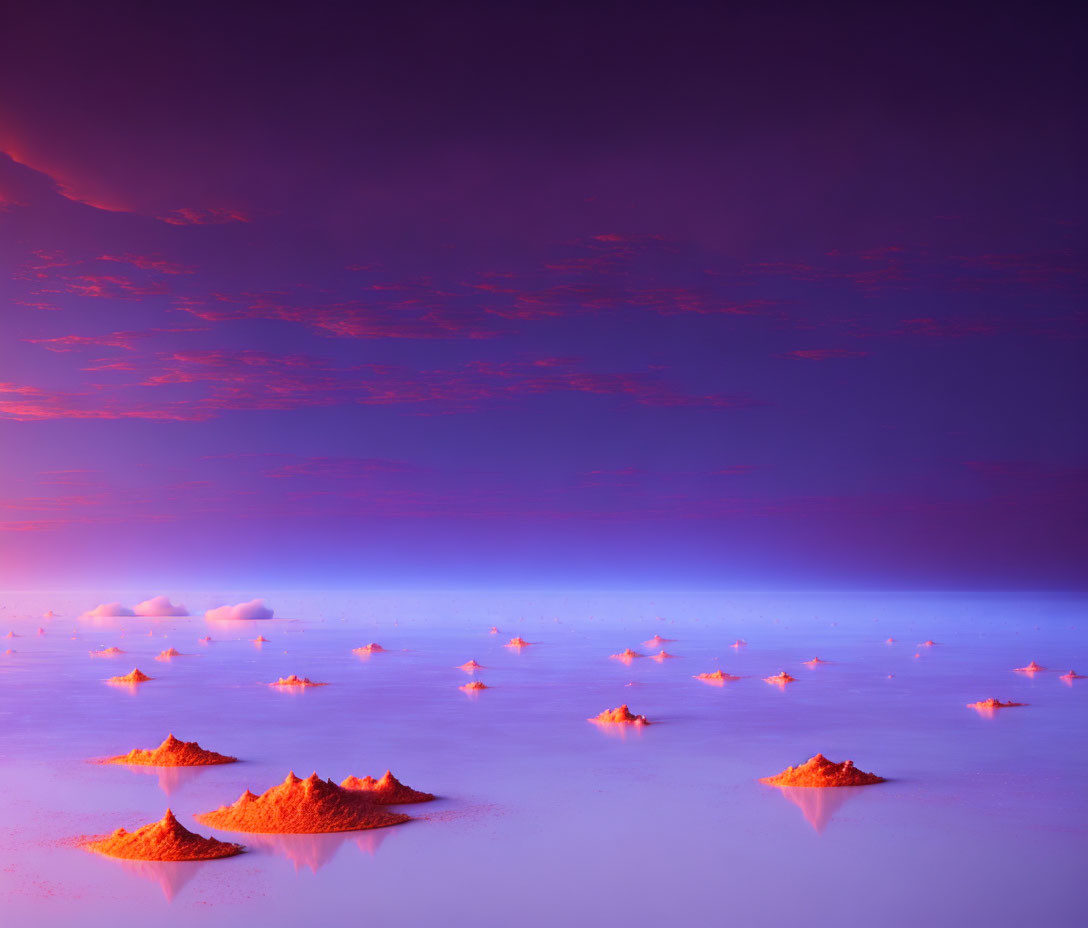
[{"x": 172, "y": 753}]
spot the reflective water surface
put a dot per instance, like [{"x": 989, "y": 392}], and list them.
[{"x": 545, "y": 818}]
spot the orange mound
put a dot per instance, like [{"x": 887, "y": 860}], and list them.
[
  {"x": 927, "y": 644},
  {"x": 620, "y": 716},
  {"x": 163, "y": 840},
  {"x": 295, "y": 680},
  {"x": 11, "y": 651},
  {"x": 889, "y": 641},
  {"x": 661, "y": 656},
  {"x": 493, "y": 630},
  {"x": 205, "y": 640},
  {"x": 718, "y": 676},
  {"x": 136, "y": 676},
  {"x": 814, "y": 662},
  {"x": 1031, "y": 668},
  {"x": 260, "y": 639},
  {"x": 368, "y": 649},
  {"x": 657, "y": 641},
  {"x": 388, "y": 791},
  {"x": 172, "y": 753},
  {"x": 626, "y": 655},
  {"x": 818, "y": 771},
  {"x": 167, "y": 654},
  {"x": 473, "y": 687},
  {"x": 12, "y": 635},
  {"x": 1072, "y": 675},
  {"x": 739, "y": 643},
  {"x": 517, "y": 642},
  {"x": 107, "y": 652},
  {"x": 993, "y": 704},
  {"x": 781, "y": 678},
  {"x": 470, "y": 666},
  {"x": 302, "y": 807}
]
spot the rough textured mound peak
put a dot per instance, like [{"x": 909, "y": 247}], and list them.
[
  {"x": 107, "y": 652},
  {"x": 626, "y": 655},
  {"x": 718, "y": 676},
  {"x": 620, "y": 716},
  {"x": 517, "y": 642},
  {"x": 1030, "y": 668},
  {"x": 781, "y": 678},
  {"x": 136, "y": 676},
  {"x": 470, "y": 666},
  {"x": 371, "y": 648},
  {"x": 298, "y": 806},
  {"x": 387, "y": 791},
  {"x": 295, "y": 680},
  {"x": 818, "y": 771},
  {"x": 474, "y": 687},
  {"x": 167, "y": 654},
  {"x": 661, "y": 656},
  {"x": 992, "y": 703},
  {"x": 172, "y": 753},
  {"x": 814, "y": 662},
  {"x": 166, "y": 839}
]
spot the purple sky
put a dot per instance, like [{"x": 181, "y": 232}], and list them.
[{"x": 653, "y": 295}]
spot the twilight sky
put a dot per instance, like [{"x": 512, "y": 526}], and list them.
[{"x": 655, "y": 294}]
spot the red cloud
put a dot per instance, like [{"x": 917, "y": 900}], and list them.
[{"x": 204, "y": 216}]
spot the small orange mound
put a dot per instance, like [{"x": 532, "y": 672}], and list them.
[
  {"x": 814, "y": 662},
  {"x": 136, "y": 676},
  {"x": 167, "y": 654},
  {"x": 927, "y": 644},
  {"x": 620, "y": 716},
  {"x": 12, "y": 651},
  {"x": 992, "y": 703},
  {"x": 474, "y": 686},
  {"x": 298, "y": 806},
  {"x": 493, "y": 630},
  {"x": 626, "y": 655},
  {"x": 163, "y": 840},
  {"x": 295, "y": 680},
  {"x": 388, "y": 791},
  {"x": 657, "y": 641},
  {"x": 662, "y": 656},
  {"x": 1072, "y": 675},
  {"x": 260, "y": 639},
  {"x": 517, "y": 642},
  {"x": 470, "y": 666},
  {"x": 818, "y": 771},
  {"x": 207, "y": 639},
  {"x": 107, "y": 652},
  {"x": 781, "y": 678},
  {"x": 371, "y": 648},
  {"x": 171, "y": 753},
  {"x": 718, "y": 676},
  {"x": 1031, "y": 668},
  {"x": 889, "y": 641},
  {"x": 12, "y": 635},
  {"x": 739, "y": 643}
]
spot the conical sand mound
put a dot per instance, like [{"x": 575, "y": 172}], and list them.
[
  {"x": 818, "y": 771},
  {"x": 302, "y": 807},
  {"x": 172, "y": 753},
  {"x": 388, "y": 791},
  {"x": 163, "y": 840}
]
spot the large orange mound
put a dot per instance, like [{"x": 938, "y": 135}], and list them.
[
  {"x": 992, "y": 703},
  {"x": 136, "y": 676},
  {"x": 368, "y": 649},
  {"x": 167, "y": 654},
  {"x": 388, "y": 791},
  {"x": 302, "y": 807},
  {"x": 1031, "y": 668},
  {"x": 474, "y": 686},
  {"x": 718, "y": 676},
  {"x": 661, "y": 656},
  {"x": 781, "y": 678},
  {"x": 107, "y": 652},
  {"x": 626, "y": 655},
  {"x": 1072, "y": 675},
  {"x": 818, "y": 771},
  {"x": 517, "y": 642},
  {"x": 620, "y": 716},
  {"x": 657, "y": 641},
  {"x": 163, "y": 840},
  {"x": 295, "y": 680},
  {"x": 470, "y": 666},
  {"x": 172, "y": 753}
]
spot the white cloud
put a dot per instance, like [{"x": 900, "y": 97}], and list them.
[
  {"x": 108, "y": 609},
  {"x": 158, "y": 606},
  {"x": 254, "y": 609}
]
